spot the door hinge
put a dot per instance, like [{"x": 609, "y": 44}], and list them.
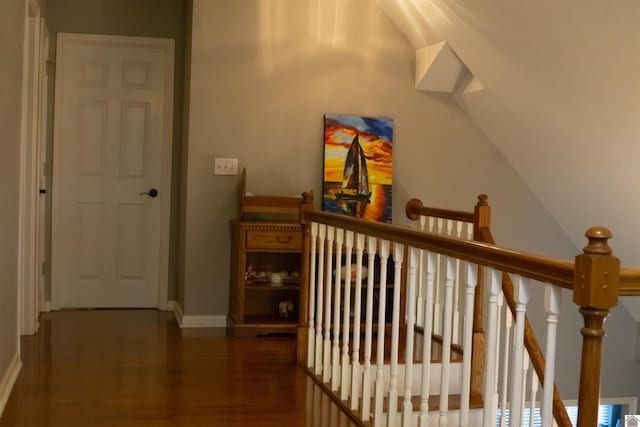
[{"x": 43, "y": 269}]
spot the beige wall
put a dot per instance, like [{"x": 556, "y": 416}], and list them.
[
  {"x": 11, "y": 42},
  {"x": 263, "y": 73},
  {"x": 145, "y": 18}
]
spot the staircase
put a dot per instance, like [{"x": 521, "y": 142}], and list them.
[{"x": 375, "y": 289}]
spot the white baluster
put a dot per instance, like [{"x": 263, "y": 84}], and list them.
[
  {"x": 420, "y": 297},
  {"x": 493, "y": 339},
  {"x": 368, "y": 331},
  {"x": 508, "y": 322},
  {"x": 398, "y": 256},
  {"x": 437, "y": 299},
  {"x": 532, "y": 397},
  {"x": 407, "y": 407},
  {"x": 447, "y": 323},
  {"x": 423, "y": 418},
  {"x": 356, "y": 375},
  {"x": 456, "y": 289},
  {"x": 345, "y": 388},
  {"x": 312, "y": 296},
  {"x": 469, "y": 231},
  {"x": 525, "y": 371},
  {"x": 470, "y": 287},
  {"x": 326, "y": 369},
  {"x": 378, "y": 414},
  {"x": 335, "y": 354},
  {"x": 322, "y": 234},
  {"x": 431, "y": 224},
  {"x": 521, "y": 296},
  {"x": 552, "y": 303}
]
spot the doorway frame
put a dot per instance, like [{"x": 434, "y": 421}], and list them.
[
  {"x": 28, "y": 256},
  {"x": 168, "y": 46}
]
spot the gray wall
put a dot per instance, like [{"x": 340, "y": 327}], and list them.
[
  {"x": 262, "y": 76},
  {"x": 12, "y": 21},
  {"x": 145, "y": 18}
]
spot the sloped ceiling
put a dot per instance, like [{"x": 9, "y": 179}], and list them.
[{"x": 561, "y": 99}]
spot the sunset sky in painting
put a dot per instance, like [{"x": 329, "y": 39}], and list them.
[{"x": 375, "y": 136}]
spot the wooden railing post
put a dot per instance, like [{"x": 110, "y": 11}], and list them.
[
  {"x": 482, "y": 220},
  {"x": 303, "y": 304},
  {"x": 595, "y": 290}
]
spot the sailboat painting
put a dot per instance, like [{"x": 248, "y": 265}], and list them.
[{"x": 358, "y": 166}]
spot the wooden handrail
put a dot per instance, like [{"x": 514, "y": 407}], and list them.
[
  {"x": 415, "y": 209},
  {"x": 629, "y": 282},
  {"x": 536, "y": 267}
]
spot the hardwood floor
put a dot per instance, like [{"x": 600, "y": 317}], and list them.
[{"x": 127, "y": 368}]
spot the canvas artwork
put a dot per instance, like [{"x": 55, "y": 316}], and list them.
[{"x": 358, "y": 166}]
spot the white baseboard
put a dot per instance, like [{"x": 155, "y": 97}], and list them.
[
  {"x": 8, "y": 380},
  {"x": 187, "y": 321}
]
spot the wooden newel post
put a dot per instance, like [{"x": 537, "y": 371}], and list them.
[
  {"x": 482, "y": 219},
  {"x": 303, "y": 309},
  {"x": 595, "y": 290}
]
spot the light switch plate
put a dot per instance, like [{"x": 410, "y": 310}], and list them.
[{"x": 226, "y": 166}]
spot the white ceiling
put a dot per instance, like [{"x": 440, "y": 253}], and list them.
[{"x": 561, "y": 99}]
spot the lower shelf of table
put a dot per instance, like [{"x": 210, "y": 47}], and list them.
[{"x": 261, "y": 325}]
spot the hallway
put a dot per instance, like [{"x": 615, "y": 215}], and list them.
[{"x": 126, "y": 368}]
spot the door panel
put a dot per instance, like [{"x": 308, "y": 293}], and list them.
[{"x": 113, "y": 135}]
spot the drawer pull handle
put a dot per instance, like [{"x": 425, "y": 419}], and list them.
[{"x": 281, "y": 240}]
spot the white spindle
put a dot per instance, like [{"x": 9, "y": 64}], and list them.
[
  {"x": 312, "y": 296},
  {"x": 508, "y": 322},
  {"x": 368, "y": 331},
  {"x": 382, "y": 323},
  {"x": 407, "y": 407},
  {"x": 398, "y": 256},
  {"x": 326, "y": 369},
  {"x": 456, "y": 287},
  {"x": 420, "y": 297},
  {"x": 355, "y": 355},
  {"x": 345, "y": 388},
  {"x": 437, "y": 305},
  {"x": 322, "y": 234},
  {"x": 521, "y": 297},
  {"x": 493, "y": 339},
  {"x": 470, "y": 287},
  {"x": 335, "y": 354},
  {"x": 532, "y": 397},
  {"x": 525, "y": 371},
  {"x": 552, "y": 303},
  {"x": 423, "y": 418},
  {"x": 447, "y": 323}
]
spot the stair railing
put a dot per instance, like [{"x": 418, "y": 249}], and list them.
[{"x": 398, "y": 390}]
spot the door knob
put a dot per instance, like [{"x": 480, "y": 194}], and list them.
[{"x": 151, "y": 193}]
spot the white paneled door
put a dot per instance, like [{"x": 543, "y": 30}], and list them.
[{"x": 111, "y": 172}]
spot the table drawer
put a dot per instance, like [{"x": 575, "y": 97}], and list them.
[{"x": 274, "y": 239}]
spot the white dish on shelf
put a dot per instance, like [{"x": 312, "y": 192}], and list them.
[{"x": 343, "y": 272}]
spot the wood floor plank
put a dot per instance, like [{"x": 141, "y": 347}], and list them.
[{"x": 130, "y": 368}]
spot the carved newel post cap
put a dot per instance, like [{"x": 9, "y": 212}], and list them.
[
  {"x": 598, "y": 237},
  {"x": 483, "y": 200},
  {"x": 307, "y": 197}
]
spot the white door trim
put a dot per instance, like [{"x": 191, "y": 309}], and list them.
[
  {"x": 27, "y": 229},
  {"x": 168, "y": 46},
  {"x": 41, "y": 216}
]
